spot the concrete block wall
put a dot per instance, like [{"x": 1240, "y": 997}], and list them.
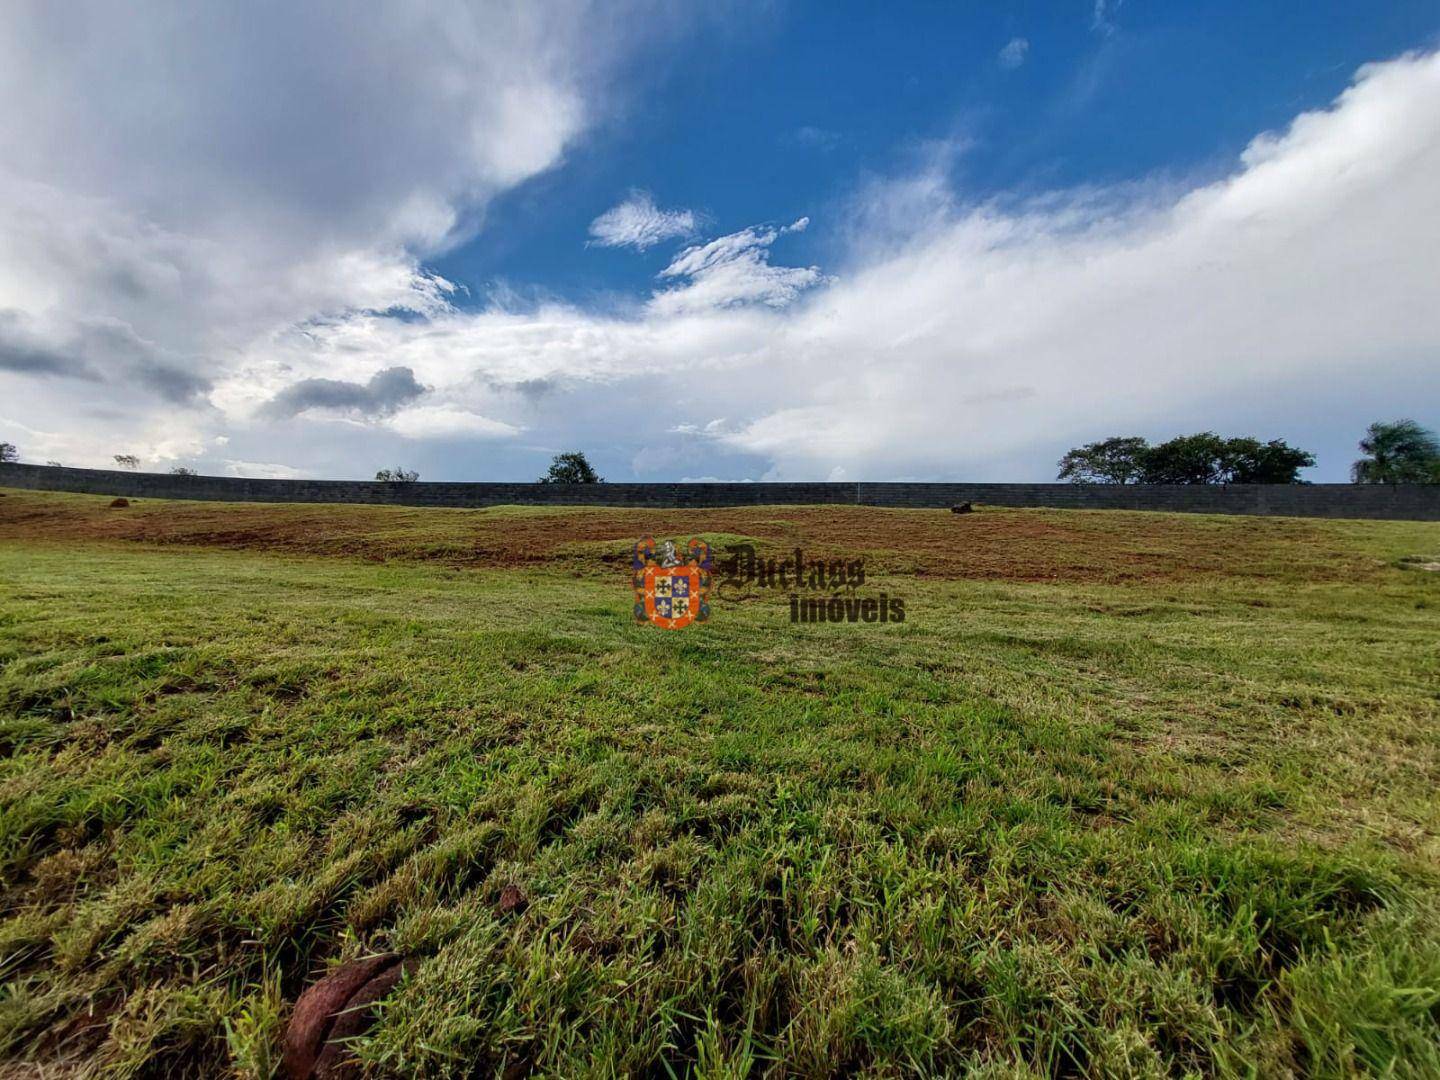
[{"x": 1417, "y": 502}]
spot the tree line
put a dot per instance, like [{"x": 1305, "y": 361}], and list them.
[{"x": 1395, "y": 452}]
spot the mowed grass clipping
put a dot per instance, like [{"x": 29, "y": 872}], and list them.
[{"x": 1125, "y": 795}]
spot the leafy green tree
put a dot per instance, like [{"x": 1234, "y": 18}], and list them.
[
  {"x": 571, "y": 468},
  {"x": 1187, "y": 459},
  {"x": 1398, "y": 452},
  {"x": 1249, "y": 461},
  {"x": 398, "y": 475},
  {"x": 127, "y": 461},
  {"x": 8, "y": 452},
  {"x": 181, "y": 470},
  {"x": 1204, "y": 458},
  {"x": 1117, "y": 460}
]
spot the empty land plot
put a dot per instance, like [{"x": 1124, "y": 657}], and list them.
[{"x": 1125, "y": 794}]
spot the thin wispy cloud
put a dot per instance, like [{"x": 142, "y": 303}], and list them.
[
  {"x": 1014, "y": 53},
  {"x": 816, "y": 138},
  {"x": 734, "y": 270},
  {"x": 1103, "y": 16},
  {"x": 638, "y": 223}
]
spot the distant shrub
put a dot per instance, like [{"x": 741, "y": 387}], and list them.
[{"x": 397, "y": 475}]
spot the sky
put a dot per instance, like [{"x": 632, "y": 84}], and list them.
[{"x": 773, "y": 241}]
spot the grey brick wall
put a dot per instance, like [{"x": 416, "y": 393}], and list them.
[{"x": 1418, "y": 502}]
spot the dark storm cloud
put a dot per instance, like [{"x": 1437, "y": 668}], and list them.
[
  {"x": 115, "y": 347},
  {"x": 39, "y": 360},
  {"x": 98, "y": 350},
  {"x": 386, "y": 392},
  {"x": 24, "y": 353},
  {"x": 532, "y": 390},
  {"x": 171, "y": 381}
]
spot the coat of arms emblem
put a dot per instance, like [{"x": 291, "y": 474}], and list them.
[{"x": 671, "y": 590}]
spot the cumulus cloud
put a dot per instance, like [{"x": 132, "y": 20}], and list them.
[
  {"x": 1285, "y": 295},
  {"x": 639, "y": 223},
  {"x": 296, "y": 169},
  {"x": 382, "y": 395},
  {"x": 1014, "y": 53}
]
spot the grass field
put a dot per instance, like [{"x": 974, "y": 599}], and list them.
[{"x": 1125, "y": 795}]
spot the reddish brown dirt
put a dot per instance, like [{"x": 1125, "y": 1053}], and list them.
[{"x": 1016, "y": 545}]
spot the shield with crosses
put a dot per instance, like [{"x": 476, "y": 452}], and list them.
[{"x": 672, "y": 588}]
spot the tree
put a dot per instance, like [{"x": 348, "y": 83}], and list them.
[
  {"x": 1249, "y": 461},
  {"x": 55, "y": 464},
  {"x": 1398, "y": 452},
  {"x": 127, "y": 461},
  {"x": 1186, "y": 459},
  {"x": 8, "y": 452},
  {"x": 1117, "y": 460},
  {"x": 1204, "y": 458},
  {"x": 181, "y": 470},
  {"x": 398, "y": 475},
  {"x": 571, "y": 468}
]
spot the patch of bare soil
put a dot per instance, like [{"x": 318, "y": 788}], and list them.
[{"x": 996, "y": 544}]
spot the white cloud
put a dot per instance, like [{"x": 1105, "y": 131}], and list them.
[
  {"x": 187, "y": 188},
  {"x": 1014, "y": 53},
  {"x": 639, "y": 223},
  {"x": 262, "y": 470},
  {"x": 1294, "y": 287},
  {"x": 447, "y": 422},
  {"x": 734, "y": 270}
]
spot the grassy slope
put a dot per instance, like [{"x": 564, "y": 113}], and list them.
[{"x": 1184, "y": 821}]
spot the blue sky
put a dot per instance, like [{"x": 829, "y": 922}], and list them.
[
  {"x": 929, "y": 241},
  {"x": 786, "y": 111}
]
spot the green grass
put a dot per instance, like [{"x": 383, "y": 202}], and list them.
[{"x": 1184, "y": 826}]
